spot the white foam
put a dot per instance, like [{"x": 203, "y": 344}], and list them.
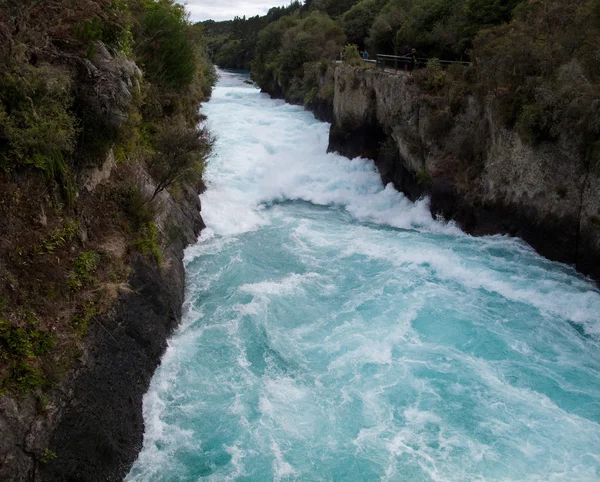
[
  {"x": 281, "y": 468},
  {"x": 289, "y": 284}
]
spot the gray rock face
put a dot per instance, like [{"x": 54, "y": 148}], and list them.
[
  {"x": 98, "y": 175},
  {"x": 475, "y": 170},
  {"x": 108, "y": 82}
]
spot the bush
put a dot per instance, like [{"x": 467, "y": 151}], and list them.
[
  {"x": 436, "y": 76},
  {"x": 164, "y": 46},
  {"x": 310, "y": 96},
  {"x": 352, "y": 55},
  {"x": 149, "y": 243},
  {"x": 37, "y": 125},
  {"x": 179, "y": 155},
  {"x": 25, "y": 341},
  {"x": 83, "y": 268}
]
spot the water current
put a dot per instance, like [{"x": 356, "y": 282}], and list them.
[{"x": 334, "y": 331}]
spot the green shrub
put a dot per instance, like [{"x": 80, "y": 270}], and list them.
[
  {"x": 36, "y": 125},
  {"x": 352, "y": 55},
  {"x": 85, "y": 265},
  {"x": 47, "y": 456},
  {"x": 148, "y": 243},
  {"x": 424, "y": 178},
  {"x": 24, "y": 341},
  {"x": 535, "y": 123},
  {"x": 310, "y": 96},
  {"x": 81, "y": 319},
  {"x": 24, "y": 377},
  {"x": 61, "y": 236},
  {"x": 436, "y": 76},
  {"x": 180, "y": 151}
]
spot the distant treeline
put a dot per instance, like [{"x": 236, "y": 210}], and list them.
[
  {"x": 441, "y": 28},
  {"x": 538, "y": 58}
]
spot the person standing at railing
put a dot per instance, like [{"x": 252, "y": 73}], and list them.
[
  {"x": 413, "y": 60},
  {"x": 365, "y": 55}
]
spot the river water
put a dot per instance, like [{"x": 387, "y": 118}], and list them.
[{"x": 335, "y": 332}]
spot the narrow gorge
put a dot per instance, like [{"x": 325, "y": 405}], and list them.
[
  {"x": 333, "y": 327},
  {"x": 336, "y": 240}
]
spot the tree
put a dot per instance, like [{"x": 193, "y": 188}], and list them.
[
  {"x": 358, "y": 20},
  {"x": 164, "y": 48},
  {"x": 179, "y": 154}
]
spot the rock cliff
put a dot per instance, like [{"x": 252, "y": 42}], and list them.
[
  {"x": 476, "y": 171},
  {"x": 93, "y": 420},
  {"x": 89, "y": 425}
]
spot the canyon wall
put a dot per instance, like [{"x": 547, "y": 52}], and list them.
[
  {"x": 87, "y": 424},
  {"x": 475, "y": 170},
  {"x": 90, "y": 426}
]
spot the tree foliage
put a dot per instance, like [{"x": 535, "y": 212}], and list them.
[
  {"x": 163, "y": 45},
  {"x": 285, "y": 46},
  {"x": 179, "y": 154},
  {"x": 543, "y": 68}
]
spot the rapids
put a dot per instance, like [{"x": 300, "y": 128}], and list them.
[{"x": 334, "y": 331}]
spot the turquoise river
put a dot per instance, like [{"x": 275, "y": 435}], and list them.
[{"x": 334, "y": 331}]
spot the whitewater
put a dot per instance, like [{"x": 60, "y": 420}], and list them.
[{"x": 334, "y": 331}]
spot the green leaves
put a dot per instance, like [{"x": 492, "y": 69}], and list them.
[{"x": 164, "y": 47}]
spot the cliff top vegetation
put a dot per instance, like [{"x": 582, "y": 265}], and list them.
[{"x": 537, "y": 58}]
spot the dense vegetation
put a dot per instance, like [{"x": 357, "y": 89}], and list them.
[
  {"x": 233, "y": 43},
  {"x": 283, "y": 48},
  {"x": 69, "y": 93},
  {"x": 538, "y": 59},
  {"x": 439, "y": 28}
]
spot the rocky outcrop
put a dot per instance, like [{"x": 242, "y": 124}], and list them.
[
  {"x": 107, "y": 83},
  {"x": 90, "y": 427},
  {"x": 475, "y": 170},
  {"x": 99, "y": 427}
]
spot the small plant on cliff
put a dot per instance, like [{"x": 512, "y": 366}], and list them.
[
  {"x": 149, "y": 243},
  {"x": 424, "y": 178},
  {"x": 48, "y": 456},
  {"x": 436, "y": 77},
  {"x": 85, "y": 265},
  {"x": 310, "y": 96}
]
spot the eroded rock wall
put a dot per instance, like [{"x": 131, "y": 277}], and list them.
[
  {"x": 90, "y": 426},
  {"x": 475, "y": 170}
]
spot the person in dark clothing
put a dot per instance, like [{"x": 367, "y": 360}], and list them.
[
  {"x": 406, "y": 54},
  {"x": 366, "y": 55},
  {"x": 413, "y": 60}
]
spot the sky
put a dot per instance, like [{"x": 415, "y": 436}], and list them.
[{"x": 227, "y": 9}]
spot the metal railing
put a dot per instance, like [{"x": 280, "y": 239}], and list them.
[{"x": 403, "y": 62}]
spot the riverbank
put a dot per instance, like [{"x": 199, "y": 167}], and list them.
[{"x": 101, "y": 164}]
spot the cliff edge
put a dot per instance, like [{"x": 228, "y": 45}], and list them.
[{"x": 453, "y": 148}]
